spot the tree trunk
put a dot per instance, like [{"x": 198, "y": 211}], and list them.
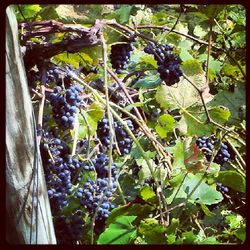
[{"x": 28, "y": 214}]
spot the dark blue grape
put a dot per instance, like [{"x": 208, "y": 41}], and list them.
[
  {"x": 168, "y": 63},
  {"x": 123, "y": 140},
  {"x": 120, "y": 56},
  {"x": 65, "y": 105},
  {"x": 207, "y": 144}
]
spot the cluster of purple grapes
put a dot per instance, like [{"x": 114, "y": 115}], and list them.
[
  {"x": 69, "y": 229},
  {"x": 58, "y": 175},
  {"x": 123, "y": 140},
  {"x": 54, "y": 74},
  {"x": 120, "y": 56},
  {"x": 60, "y": 168},
  {"x": 97, "y": 194},
  {"x": 65, "y": 105},
  {"x": 207, "y": 144},
  {"x": 168, "y": 63}
]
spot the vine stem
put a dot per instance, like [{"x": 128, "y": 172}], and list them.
[
  {"x": 121, "y": 85},
  {"x": 88, "y": 132},
  {"x": 238, "y": 155},
  {"x": 111, "y": 130},
  {"x": 76, "y": 130},
  {"x": 41, "y": 104},
  {"x": 209, "y": 51}
]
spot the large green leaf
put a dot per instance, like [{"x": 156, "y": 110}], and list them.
[
  {"x": 211, "y": 240},
  {"x": 194, "y": 123},
  {"x": 173, "y": 227},
  {"x": 119, "y": 232},
  {"x": 67, "y": 13},
  {"x": 233, "y": 101},
  {"x": 144, "y": 171},
  {"x": 190, "y": 126},
  {"x": 204, "y": 194},
  {"x": 182, "y": 96},
  {"x": 96, "y": 111},
  {"x": 233, "y": 180},
  {"x": 88, "y": 120},
  {"x": 211, "y": 10}
]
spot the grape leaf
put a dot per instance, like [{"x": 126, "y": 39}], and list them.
[
  {"x": 211, "y": 240},
  {"x": 165, "y": 124},
  {"x": 230, "y": 70},
  {"x": 49, "y": 12},
  {"x": 96, "y": 111},
  {"x": 72, "y": 59},
  {"x": 190, "y": 126},
  {"x": 219, "y": 114},
  {"x": 182, "y": 96},
  {"x": 29, "y": 11},
  {"x": 234, "y": 220},
  {"x": 123, "y": 13},
  {"x": 233, "y": 101},
  {"x": 233, "y": 180},
  {"x": 178, "y": 155},
  {"x": 212, "y": 10},
  {"x": 144, "y": 171},
  {"x": 204, "y": 194},
  {"x": 148, "y": 194},
  {"x": 193, "y": 123},
  {"x": 152, "y": 231},
  {"x": 185, "y": 55},
  {"x": 148, "y": 82},
  {"x": 206, "y": 210},
  {"x": 174, "y": 225},
  {"x": 191, "y": 67},
  {"x": 240, "y": 233},
  {"x": 189, "y": 237},
  {"x": 193, "y": 157},
  {"x": 119, "y": 232},
  {"x": 67, "y": 13},
  {"x": 137, "y": 209}
]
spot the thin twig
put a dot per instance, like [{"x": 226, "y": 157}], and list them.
[
  {"x": 76, "y": 130},
  {"x": 41, "y": 104},
  {"x": 242, "y": 162},
  {"x": 209, "y": 51},
  {"x": 111, "y": 130}
]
